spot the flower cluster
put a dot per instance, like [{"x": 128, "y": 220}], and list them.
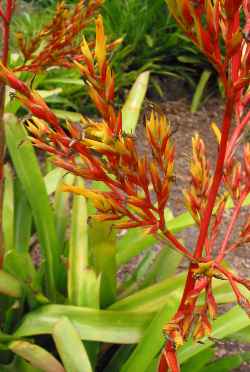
[
  {"x": 55, "y": 44},
  {"x": 196, "y": 196}
]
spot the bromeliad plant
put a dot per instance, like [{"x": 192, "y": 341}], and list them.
[{"x": 138, "y": 186}]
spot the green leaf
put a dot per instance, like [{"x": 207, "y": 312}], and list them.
[
  {"x": 93, "y": 325},
  {"x": 199, "y": 91},
  {"x": 23, "y": 219},
  {"x": 67, "y": 115},
  {"x": 52, "y": 179},
  {"x": 8, "y": 209},
  {"x": 189, "y": 59},
  {"x": 132, "y": 107},
  {"x": 140, "y": 277},
  {"x": 20, "y": 265},
  {"x": 78, "y": 250},
  {"x": 242, "y": 336},
  {"x": 9, "y": 285},
  {"x": 197, "y": 362},
  {"x": 228, "y": 363},
  {"x": 164, "y": 266},
  {"x": 69, "y": 345},
  {"x": 69, "y": 81},
  {"x": 36, "y": 356},
  {"x": 152, "y": 341},
  {"x": 29, "y": 173},
  {"x": 102, "y": 243},
  {"x": 136, "y": 241},
  {"x": 119, "y": 358},
  {"x": 153, "y": 297},
  {"x": 132, "y": 244},
  {"x": 180, "y": 222},
  {"x": 91, "y": 289},
  {"x": 19, "y": 365},
  {"x": 62, "y": 207},
  {"x": 48, "y": 93}
]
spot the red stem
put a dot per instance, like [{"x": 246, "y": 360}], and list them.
[
  {"x": 178, "y": 246},
  {"x": 231, "y": 226},
  {"x": 217, "y": 178},
  {"x": 236, "y": 134},
  {"x": 190, "y": 281}
]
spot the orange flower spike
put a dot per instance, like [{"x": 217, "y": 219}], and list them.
[
  {"x": 169, "y": 167},
  {"x": 130, "y": 145},
  {"x": 231, "y": 7},
  {"x": 99, "y": 146},
  {"x": 83, "y": 69},
  {"x": 163, "y": 364},
  {"x": 151, "y": 131},
  {"x": 109, "y": 85},
  {"x": 203, "y": 328},
  {"x": 169, "y": 358},
  {"x": 155, "y": 177},
  {"x": 43, "y": 146},
  {"x": 98, "y": 101},
  {"x": 120, "y": 148},
  {"x": 210, "y": 18},
  {"x": 137, "y": 201},
  {"x": 88, "y": 58},
  {"x": 99, "y": 201},
  {"x": 187, "y": 324},
  {"x": 37, "y": 127},
  {"x": 118, "y": 124},
  {"x": 40, "y": 110},
  {"x": 235, "y": 180},
  {"x": 8, "y": 77},
  {"x": 207, "y": 44},
  {"x": 106, "y": 217},
  {"x": 101, "y": 131},
  {"x": 100, "y": 48},
  {"x": 142, "y": 171},
  {"x": 186, "y": 14},
  {"x": 235, "y": 43},
  {"x": 211, "y": 303}
]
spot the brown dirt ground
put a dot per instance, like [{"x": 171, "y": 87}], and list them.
[{"x": 185, "y": 124}]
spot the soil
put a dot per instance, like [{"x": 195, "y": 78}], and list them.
[{"x": 185, "y": 125}]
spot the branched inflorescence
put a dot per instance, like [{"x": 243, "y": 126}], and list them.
[
  {"x": 138, "y": 186},
  {"x": 56, "y": 44}
]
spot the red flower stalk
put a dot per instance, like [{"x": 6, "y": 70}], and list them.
[{"x": 138, "y": 187}]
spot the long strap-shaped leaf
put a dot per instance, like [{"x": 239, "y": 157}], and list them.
[
  {"x": 9, "y": 285},
  {"x": 70, "y": 347},
  {"x": 158, "y": 295},
  {"x": 132, "y": 107},
  {"x": 78, "y": 250},
  {"x": 93, "y": 325},
  {"x": 36, "y": 356},
  {"x": 151, "y": 342},
  {"x": 28, "y": 171},
  {"x": 8, "y": 209}
]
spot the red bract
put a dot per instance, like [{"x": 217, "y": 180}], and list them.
[{"x": 138, "y": 186}]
